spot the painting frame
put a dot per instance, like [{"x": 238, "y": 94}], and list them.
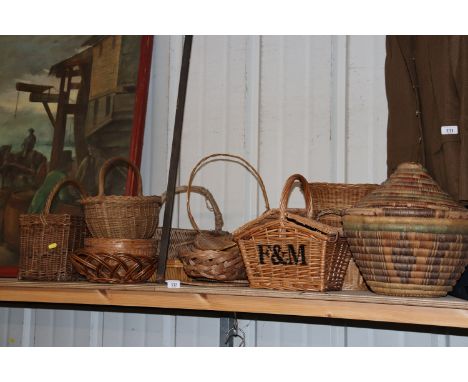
[{"x": 137, "y": 129}]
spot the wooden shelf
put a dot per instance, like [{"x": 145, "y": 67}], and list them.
[{"x": 447, "y": 311}]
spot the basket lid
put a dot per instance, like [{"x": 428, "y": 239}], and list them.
[{"x": 409, "y": 191}]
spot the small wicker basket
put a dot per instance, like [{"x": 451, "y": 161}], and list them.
[
  {"x": 327, "y": 198},
  {"x": 182, "y": 239},
  {"x": 116, "y": 216},
  {"x": 215, "y": 255},
  {"x": 47, "y": 240},
  {"x": 116, "y": 261},
  {"x": 284, "y": 250}
]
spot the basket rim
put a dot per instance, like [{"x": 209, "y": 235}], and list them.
[{"x": 100, "y": 199}]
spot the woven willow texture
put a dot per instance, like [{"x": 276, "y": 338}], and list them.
[
  {"x": 283, "y": 250},
  {"x": 116, "y": 260},
  {"x": 115, "y": 216},
  {"x": 340, "y": 196},
  {"x": 215, "y": 256},
  {"x": 47, "y": 240}
]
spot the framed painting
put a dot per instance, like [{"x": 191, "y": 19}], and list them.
[{"x": 67, "y": 103}]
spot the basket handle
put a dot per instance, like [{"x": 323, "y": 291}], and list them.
[
  {"x": 110, "y": 163},
  {"x": 210, "y": 203},
  {"x": 330, "y": 212},
  {"x": 287, "y": 190},
  {"x": 56, "y": 189},
  {"x": 205, "y": 160}
]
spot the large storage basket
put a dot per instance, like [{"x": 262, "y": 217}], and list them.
[
  {"x": 116, "y": 261},
  {"x": 328, "y": 197},
  {"x": 284, "y": 250},
  {"x": 119, "y": 216},
  {"x": 182, "y": 239},
  {"x": 215, "y": 256},
  {"x": 408, "y": 237},
  {"x": 47, "y": 240}
]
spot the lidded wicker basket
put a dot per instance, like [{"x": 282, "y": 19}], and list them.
[
  {"x": 47, "y": 240},
  {"x": 119, "y": 216},
  {"x": 284, "y": 250},
  {"x": 215, "y": 255},
  {"x": 408, "y": 237}
]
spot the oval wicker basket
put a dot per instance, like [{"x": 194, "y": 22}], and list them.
[
  {"x": 182, "y": 239},
  {"x": 328, "y": 197},
  {"x": 47, "y": 240},
  {"x": 116, "y": 261},
  {"x": 117, "y": 216},
  {"x": 215, "y": 255},
  {"x": 408, "y": 237}
]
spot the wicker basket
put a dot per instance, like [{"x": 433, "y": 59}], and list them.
[
  {"x": 215, "y": 255},
  {"x": 47, "y": 240},
  {"x": 284, "y": 250},
  {"x": 118, "y": 217},
  {"x": 408, "y": 237},
  {"x": 327, "y": 197},
  {"x": 116, "y": 261},
  {"x": 182, "y": 239}
]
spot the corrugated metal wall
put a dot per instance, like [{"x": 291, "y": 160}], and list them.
[{"x": 309, "y": 104}]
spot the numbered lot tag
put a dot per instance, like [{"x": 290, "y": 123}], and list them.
[
  {"x": 449, "y": 130},
  {"x": 173, "y": 283}
]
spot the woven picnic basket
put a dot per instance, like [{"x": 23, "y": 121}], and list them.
[
  {"x": 182, "y": 239},
  {"x": 408, "y": 237},
  {"x": 286, "y": 250},
  {"x": 48, "y": 239},
  {"x": 215, "y": 255},
  {"x": 116, "y": 261},
  {"x": 329, "y": 198},
  {"x": 120, "y": 216}
]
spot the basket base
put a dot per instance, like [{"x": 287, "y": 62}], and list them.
[{"x": 408, "y": 290}]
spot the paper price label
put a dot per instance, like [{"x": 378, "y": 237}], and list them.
[
  {"x": 449, "y": 130},
  {"x": 173, "y": 283}
]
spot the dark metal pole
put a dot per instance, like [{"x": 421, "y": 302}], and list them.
[{"x": 175, "y": 155}]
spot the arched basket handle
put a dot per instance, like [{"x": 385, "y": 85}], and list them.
[
  {"x": 111, "y": 163},
  {"x": 203, "y": 161},
  {"x": 210, "y": 203},
  {"x": 287, "y": 190},
  {"x": 56, "y": 189}
]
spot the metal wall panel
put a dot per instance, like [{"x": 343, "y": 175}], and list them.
[{"x": 309, "y": 104}]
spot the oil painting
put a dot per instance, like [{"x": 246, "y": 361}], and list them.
[{"x": 67, "y": 103}]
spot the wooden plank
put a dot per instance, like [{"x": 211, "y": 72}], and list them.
[
  {"x": 43, "y": 97},
  {"x": 33, "y": 88},
  {"x": 447, "y": 311}
]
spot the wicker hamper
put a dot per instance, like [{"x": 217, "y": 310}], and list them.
[
  {"x": 284, "y": 250},
  {"x": 340, "y": 196},
  {"x": 215, "y": 256},
  {"x": 408, "y": 237},
  {"x": 47, "y": 240},
  {"x": 117, "y": 216},
  {"x": 182, "y": 239}
]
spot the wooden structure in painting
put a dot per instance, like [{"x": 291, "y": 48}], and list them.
[{"x": 103, "y": 75}]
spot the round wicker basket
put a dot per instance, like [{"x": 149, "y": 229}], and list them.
[
  {"x": 116, "y": 216},
  {"x": 116, "y": 260},
  {"x": 215, "y": 255}
]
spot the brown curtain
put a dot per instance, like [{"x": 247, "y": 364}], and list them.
[{"x": 427, "y": 88}]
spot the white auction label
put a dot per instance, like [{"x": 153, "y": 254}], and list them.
[
  {"x": 449, "y": 130},
  {"x": 173, "y": 283}
]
